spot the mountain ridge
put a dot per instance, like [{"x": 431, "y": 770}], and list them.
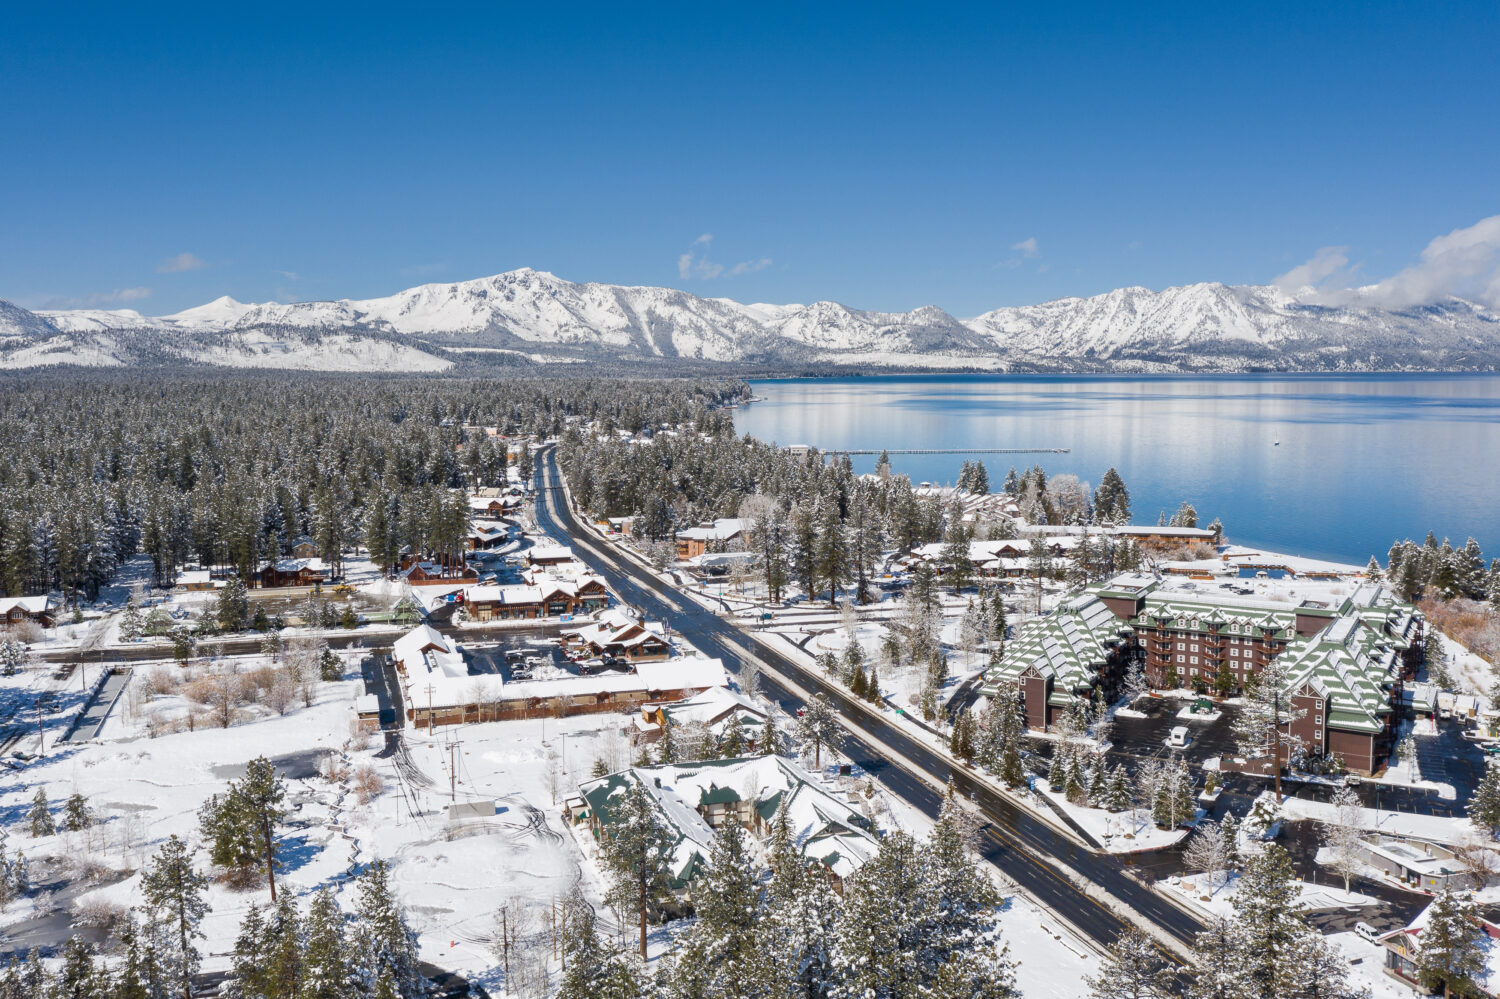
[{"x": 534, "y": 317}]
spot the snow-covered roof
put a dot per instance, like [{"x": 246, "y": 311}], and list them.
[
  {"x": 539, "y": 553},
  {"x": 292, "y": 565},
  {"x": 713, "y": 707},
  {"x": 720, "y": 530},
  {"x": 426, "y": 648},
  {"x": 824, "y": 825},
  {"x": 31, "y": 605}
]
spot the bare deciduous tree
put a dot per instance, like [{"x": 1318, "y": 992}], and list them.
[{"x": 1343, "y": 836}]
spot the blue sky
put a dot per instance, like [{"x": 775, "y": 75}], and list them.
[{"x": 158, "y": 156}]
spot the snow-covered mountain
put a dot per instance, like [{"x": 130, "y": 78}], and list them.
[{"x": 528, "y": 316}]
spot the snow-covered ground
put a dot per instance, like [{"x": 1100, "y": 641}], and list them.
[
  {"x": 1215, "y": 895},
  {"x": 1437, "y": 828},
  {"x": 1367, "y": 967},
  {"x": 1130, "y": 831}
]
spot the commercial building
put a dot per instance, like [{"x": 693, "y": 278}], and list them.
[
  {"x": 1348, "y": 656},
  {"x": 438, "y": 688}
]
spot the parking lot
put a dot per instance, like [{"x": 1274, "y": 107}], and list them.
[
  {"x": 1137, "y": 740},
  {"x": 1445, "y": 758}
]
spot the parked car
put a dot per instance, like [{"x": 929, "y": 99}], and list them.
[{"x": 1366, "y": 932}]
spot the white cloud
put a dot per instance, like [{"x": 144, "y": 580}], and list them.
[
  {"x": 1026, "y": 249},
  {"x": 120, "y": 296},
  {"x": 694, "y": 264},
  {"x": 1326, "y": 262},
  {"x": 1464, "y": 263},
  {"x": 181, "y": 262}
]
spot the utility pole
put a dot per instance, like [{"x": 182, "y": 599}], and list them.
[
  {"x": 429, "y": 709},
  {"x": 41, "y": 733},
  {"x": 452, "y": 771}
]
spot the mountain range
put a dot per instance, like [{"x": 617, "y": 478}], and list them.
[{"x": 527, "y": 317}]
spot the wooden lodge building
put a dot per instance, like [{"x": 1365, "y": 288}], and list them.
[
  {"x": 18, "y": 610},
  {"x": 1348, "y": 660},
  {"x": 544, "y": 596}
]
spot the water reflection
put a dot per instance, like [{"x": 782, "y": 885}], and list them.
[{"x": 1361, "y": 460}]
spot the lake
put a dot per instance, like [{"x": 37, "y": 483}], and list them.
[{"x": 1363, "y": 460}]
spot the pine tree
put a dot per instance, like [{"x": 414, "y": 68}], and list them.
[
  {"x": 39, "y": 817},
  {"x": 327, "y": 966},
  {"x": 1484, "y": 806},
  {"x": 1269, "y": 919},
  {"x": 594, "y": 970},
  {"x": 771, "y": 743},
  {"x": 389, "y": 943},
  {"x": 1117, "y": 790},
  {"x": 79, "y": 978},
  {"x": 722, "y": 956},
  {"x": 232, "y": 608},
  {"x": 732, "y": 741},
  {"x": 1133, "y": 969},
  {"x": 1219, "y": 970},
  {"x": 887, "y": 909},
  {"x": 284, "y": 950},
  {"x": 248, "y": 972},
  {"x": 76, "y": 814},
  {"x": 1448, "y": 951},
  {"x": 174, "y": 895},
  {"x": 963, "y": 898},
  {"x": 636, "y": 853},
  {"x": 132, "y": 982},
  {"x": 666, "y": 747},
  {"x": 818, "y": 726},
  {"x": 132, "y": 624}
]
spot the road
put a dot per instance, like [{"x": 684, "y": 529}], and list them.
[
  {"x": 98, "y": 707},
  {"x": 1020, "y": 845}
]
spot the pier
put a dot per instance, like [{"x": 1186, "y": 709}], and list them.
[{"x": 803, "y": 448}]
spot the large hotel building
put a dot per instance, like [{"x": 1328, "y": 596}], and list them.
[{"x": 1348, "y": 655}]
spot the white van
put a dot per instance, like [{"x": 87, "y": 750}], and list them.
[
  {"x": 1179, "y": 737},
  {"x": 1366, "y": 932}
]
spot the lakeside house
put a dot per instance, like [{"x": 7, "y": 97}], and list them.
[
  {"x": 1349, "y": 657},
  {"x": 694, "y": 799}
]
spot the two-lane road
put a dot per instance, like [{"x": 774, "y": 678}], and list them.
[{"x": 1021, "y": 846}]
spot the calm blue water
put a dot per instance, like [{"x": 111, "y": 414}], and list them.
[{"x": 1363, "y": 459}]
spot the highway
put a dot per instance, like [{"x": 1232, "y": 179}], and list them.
[{"x": 1024, "y": 848}]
